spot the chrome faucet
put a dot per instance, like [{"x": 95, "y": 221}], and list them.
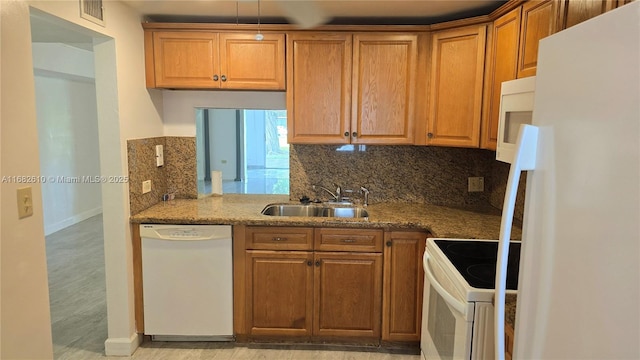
[
  {"x": 337, "y": 196},
  {"x": 365, "y": 193}
]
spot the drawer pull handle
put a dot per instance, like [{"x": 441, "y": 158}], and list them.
[
  {"x": 348, "y": 240},
  {"x": 279, "y": 239}
]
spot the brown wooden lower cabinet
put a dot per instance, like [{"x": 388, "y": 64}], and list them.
[
  {"x": 279, "y": 292},
  {"x": 508, "y": 341},
  {"x": 403, "y": 283},
  {"x": 348, "y": 294}
]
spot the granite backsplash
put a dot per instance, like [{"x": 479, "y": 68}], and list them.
[
  {"x": 411, "y": 174},
  {"x": 430, "y": 175},
  {"x": 177, "y": 176}
]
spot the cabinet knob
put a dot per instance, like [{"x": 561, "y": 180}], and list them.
[
  {"x": 223, "y": 78},
  {"x": 346, "y": 133},
  {"x": 215, "y": 77},
  {"x": 354, "y": 134},
  {"x": 279, "y": 239},
  {"x": 389, "y": 243},
  {"x": 317, "y": 262},
  {"x": 309, "y": 263},
  {"x": 429, "y": 135}
]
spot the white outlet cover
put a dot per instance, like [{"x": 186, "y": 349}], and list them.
[{"x": 146, "y": 186}]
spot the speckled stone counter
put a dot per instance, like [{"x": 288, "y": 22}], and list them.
[
  {"x": 510, "y": 309},
  {"x": 236, "y": 209}
]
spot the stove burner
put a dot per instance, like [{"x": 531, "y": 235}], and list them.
[
  {"x": 482, "y": 272},
  {"x": 476, "y": 261}
]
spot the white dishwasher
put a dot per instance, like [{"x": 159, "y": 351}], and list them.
[{"x": 187, "y": 280}]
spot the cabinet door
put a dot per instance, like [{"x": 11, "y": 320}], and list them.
[
  {"x": 502, "y": 60},
  {"x": 403, "y": 282},
  {"x": 279, "y": 292},
  {"x": 318, "y": 88},
  {"x": 573, "y": 12},
  {"x": 185, "y": 59},
  {"x": 384, "y": 76},
  {"x": 537, "y": 24},
  {"x": 246, "y": 63},
  {"x": 455, "y": 99},
  {"x": 348, "y": 294}
]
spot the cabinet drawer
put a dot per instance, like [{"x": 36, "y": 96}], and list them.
[
  {"x": 279, "y": 238},
  {"x": 363, "y": 240}
]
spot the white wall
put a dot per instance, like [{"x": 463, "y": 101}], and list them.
[
  {"x": 67, "y": 134},
  {"x": 126, "y": 110},
  {"x": 25, "y": 326},
  {"x": 179, "y": 106}
]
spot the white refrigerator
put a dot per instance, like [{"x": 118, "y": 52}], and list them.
[{"x": 579, "y": 283}]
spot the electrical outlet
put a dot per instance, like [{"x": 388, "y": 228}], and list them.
[
  {"x": 25, "y": 202},
  {"x": 146, "y": 186},
  {"x": 476, "y": 184}
]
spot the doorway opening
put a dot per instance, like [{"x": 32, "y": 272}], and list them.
[
  {"x": 69, "y": 146},
  {"x": 242, "y": 151}
]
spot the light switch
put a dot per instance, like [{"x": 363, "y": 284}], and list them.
[
  {"x": 159, "y": 155},
  {"x": 25, "y": 202}
]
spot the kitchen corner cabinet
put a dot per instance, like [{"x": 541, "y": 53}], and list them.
[
  {"x": 573, "y": 12},
  {"x": 402, "y": 288},
  {"x": 512, "y": 53},
  {"x": 210, "y": 60},
  {"x": 341, "y": 88},
  {"x": 455, "y": 93}
]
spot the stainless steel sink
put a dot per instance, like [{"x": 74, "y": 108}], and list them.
[{"x": 314, "y": 211}]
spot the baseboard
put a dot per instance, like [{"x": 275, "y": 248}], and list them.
[
  {"x": 122, "y": 346},
  {"x": 72, "y": 220}
]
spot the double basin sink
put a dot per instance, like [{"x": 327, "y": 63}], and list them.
[{"x": 314, "y": 211}]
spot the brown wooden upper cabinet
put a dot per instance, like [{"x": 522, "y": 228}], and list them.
[
  {"x": 573, "y": 12},
  {"x": 455, "y": 94},
  {"x": 351, "y": 88},
  {"x": 513, "y": 53},
  {"x": 318, "y": 88},
  {"x": 209, "y": 60}
]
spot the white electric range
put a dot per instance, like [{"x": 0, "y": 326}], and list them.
[{"x": 459, "y": 285}]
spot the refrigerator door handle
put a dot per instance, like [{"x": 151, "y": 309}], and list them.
[
  {"x": 451, "y": 301},
  {"x": 524, "y": 159}
]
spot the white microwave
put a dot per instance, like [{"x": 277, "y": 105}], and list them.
[{"x": 516, "y": 108}]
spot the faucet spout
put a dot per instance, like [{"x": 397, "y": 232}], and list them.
[
  {"x": 365, "y": 193},
  {"x": 337, "y": 196}
]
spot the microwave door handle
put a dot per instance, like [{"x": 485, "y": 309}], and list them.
[
  {"x": 524, "y": 159},
  {"x": 452, "y": 301}
]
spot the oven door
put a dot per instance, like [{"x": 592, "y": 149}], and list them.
[{"x": 447, "y": 319}]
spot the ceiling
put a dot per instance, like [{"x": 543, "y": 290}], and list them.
[{"x": 325, "y": 11}]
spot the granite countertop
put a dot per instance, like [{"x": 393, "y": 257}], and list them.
[
  {"x": 510, "y": 309},
  {"x": 240, "y": 209}
]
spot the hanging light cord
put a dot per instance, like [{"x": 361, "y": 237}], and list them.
[{"x": 259, "y": 35}]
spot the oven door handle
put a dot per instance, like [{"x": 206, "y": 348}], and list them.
[{"x": 452, "y": 301}]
